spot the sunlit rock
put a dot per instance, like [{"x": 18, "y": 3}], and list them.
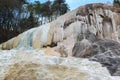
[
  {"x": 34, "y": 65},
  {"x": 91, "y": 31},
  {"x": 51, "y": 52},
  {"x": 100, "y": 19}
]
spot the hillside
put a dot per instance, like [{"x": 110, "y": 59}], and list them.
[{"x": 91, "y": 31}]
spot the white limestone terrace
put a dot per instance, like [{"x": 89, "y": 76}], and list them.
[
  {"x": 34, "y": 65},
  {"x": 27, "y": 56},
  {"x": 100, "y": 19}
]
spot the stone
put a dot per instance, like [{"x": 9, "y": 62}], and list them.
[
  {"x": 99, "y": 19},
  {"x": 51, "y": 52},
  {"x": 91, "y": 31},
  {"x": 107, "y": 52},
  {"x": 34, "y": 65}
]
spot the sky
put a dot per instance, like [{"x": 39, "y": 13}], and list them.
[{"x": 73, "y": 4}]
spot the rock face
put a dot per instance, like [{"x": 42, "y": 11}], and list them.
[
  {"x": 104, "y": 49},
  {"x": 107, "y": 52},
  {"x": 100, "y": 19},
  {"x": 91, "y": 31},
  {"x": 34, "y": 65}
]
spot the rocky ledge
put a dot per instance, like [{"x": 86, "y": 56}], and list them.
[{"x": 91, "y": 31}]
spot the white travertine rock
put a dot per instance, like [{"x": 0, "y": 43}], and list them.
[
  {"x": 35, "y": 65},
  {"x": 99, "y": 19},
  {"x": 76, "y": 33}
]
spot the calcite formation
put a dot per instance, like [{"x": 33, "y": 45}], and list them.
[
  {"x": 91, "y": 31},
  {"x": 100, "y": 19},
  {"x": 35, "y": 65}
]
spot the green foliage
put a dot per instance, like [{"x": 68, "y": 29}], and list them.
[
  {"x": 20, "y": 15},
  {"x": 116, "y": 3},
  {"x": 60, "y": 7}
]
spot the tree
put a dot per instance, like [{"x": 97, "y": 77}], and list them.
[
  {"x": 10, "y": 11},
  {"x": 64, "y": 9},
  {"x": 47, "y": 11},
  {"x": 59, "y": 7},
  {"x": 17, "y": 16},
  {"x": 37, "y": 8},
  {"x": 116, "y": 3},
  {"x": 32, "y": 21}
]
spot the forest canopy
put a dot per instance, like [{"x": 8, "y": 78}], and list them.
[{"x": 17, "y": 16}]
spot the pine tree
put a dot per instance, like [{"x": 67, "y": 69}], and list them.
[
  {"x": 116, "y": 3},
  {"x": 59, "y": 7}
]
